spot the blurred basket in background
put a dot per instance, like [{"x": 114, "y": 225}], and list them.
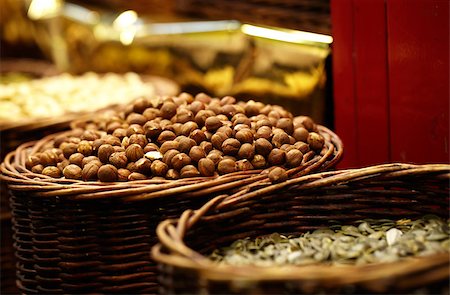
[{"x": 299, "y": 205}]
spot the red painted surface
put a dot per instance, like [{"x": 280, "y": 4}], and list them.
[
  {"x": 391, "y": 80},
  {"x": 343, "y": 79},
  {"x": 418, "y": 34}
]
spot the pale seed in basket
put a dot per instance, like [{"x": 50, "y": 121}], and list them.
[{"x": 178, "y": 137}]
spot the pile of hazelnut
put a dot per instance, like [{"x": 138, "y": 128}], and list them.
[{"x": 180, "y": 137}]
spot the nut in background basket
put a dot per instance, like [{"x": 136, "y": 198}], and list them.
[{"x": 392, "y": 191}]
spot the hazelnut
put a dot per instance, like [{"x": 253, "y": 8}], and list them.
[
  {"x": 180, "y": 160},
  {"x": 278, "y": 174},
  {"x": 107, "y": 173},
  {"x": 89, "y": 135},
  {"x": 203, "y": 97},
  {"x": 136, "y": 176},
  {"x": 198, "y": 135},
  {"x": 150, "y": 147},
  {"x": 206, "y": 146},
  {"x": 152, "y": 130},
  {"x": 63, "y": 164},
  {"x": 52, "y": 171},
  {"x": 151, "y": 113},
  {"x": 213, "y": 123},
  {"x": 183, "y": 116},
  {"x": 264, "y": 122},
  {"x": 111, "y": 127},
  {"x": 159, "y": 168},
  {"x": 139, "y": 139},
  {"x": 206, "y": 167},
  {"x": 242, "y": 119},
  {"x": 176, "y": 128},
  {"x": 202, "y": 115},
  {"x": 246, "y": 151},
  {"x": 122, "y": 174},
  {"x": 154, "y": 155},
  {"x": 196, "y": 153},
  {"x": 294, "y": 158},
  {"x": 244, "y": 165},
  {"x": 196, "y": 106},
  {"x": 90, "y": 171},
  {"x": 120, "y": 133},
  {"x": 315, "y": 141},
  {"x": 301, "y": 134},
  {"x": 135, "y": 129},
  {"x": 225, "y": 129},
  {"x": 307, "y": 122},
  {"x": 118, "y": 159},
  {"x": 97, "y": 143},
  {"x": 218, "y": 139},
  {"x": 112, "y": 140},
  {"x": 168, "y": 110},
  {"x": 301, "y": 146},
  {"x": 90, "y": 159},
  {"x": 59, "y": 140},
  {"x": 104, "y": 152},
  {"x": 244, "y": 136},
  {"x": 215, "y": 156},
  {"x": 231, "y": 146},
  {"x": 140, "y": 104},
  {"x": 286, "y": 124},
  {"x": 258, "y": 161},
  {"x": 280, "y": 138},
  {"x": 37, "y": 168},
  {"x": 172, "y": 174},
  {"x": 214, "y": 106},
  {"x": 135, "y": 118},
  {"x": 32, "y": 161},
  {"x": 226, "y": 166},
  {"x": 126, "y": 142},
  {"x": 169, "y": 145},
  {"x": 251, "y": 109},
  {"x": 131, "y": 167},
  {"x": 76, "y": 159},
  {"x": 189, "y": 171},
  {"x": 188, "y": 127},
  {"x": 228, "y": 110},
  {"x": 168, "y": 155},
  {"x": 227, "y": 100},
  {"x": 277, "y": 157},
  {"x": 185, "y": 144},
  {"x": 143, "y": 166},
  {"x": 72, "y": 171},
  {"x": 263, "y": 146},
  {"x": 186, "y": 97},
  {"x": 166, "y": 135},
  {"x": 134, "y": 152}
]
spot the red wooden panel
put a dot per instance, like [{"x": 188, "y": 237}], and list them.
[
  {"x": 343, "y": 79},
  {"x": 371, "y": 81},
  {"x": 418, "y": 53}
]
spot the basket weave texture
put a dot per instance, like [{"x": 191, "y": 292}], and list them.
[
  {"x": 72, "y": 236},
  {"x": 298, "y": 205}
]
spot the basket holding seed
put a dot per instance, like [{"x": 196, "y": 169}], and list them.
[
  {"x": 86, "y": 202},
  {"x": 380, "y": 229}
]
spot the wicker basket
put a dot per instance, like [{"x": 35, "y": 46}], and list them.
[
  {"x": 300, "y": 205},
  {"x": 73, "y": 236}
]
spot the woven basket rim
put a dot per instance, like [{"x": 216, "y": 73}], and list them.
[
  {"x": 171, "y": 235},
  {"x": 19, "y": 178}
]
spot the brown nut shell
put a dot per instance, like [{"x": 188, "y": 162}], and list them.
[
  {"x": 277, "y": 175},
  {"x": 107, "y": 173}
]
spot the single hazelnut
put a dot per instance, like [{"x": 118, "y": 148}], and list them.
[
  {"x": 301, "y": 146},
  {"x": 242, "y": 119},
  {"x": 154, "y": 155},
  {"x": 239, "y": 127},
  {"x": 76, "y": 159},
  {"x": 180, "y": 160},
  {"x": 120, "y": 133},
  {"x": 97, "y": 143},
  {"x": 159, "y": 168},
  {"x": 183, "y": 116},
  {"x": 214, "y": 106},
  {"x": 126, "y": 142},
  {"x": 48, "y": 158},
  {"x": 104, "y": 152},
  {"x": 231, "y": 146},
  {"x": 203, "y": 97},
  {"x": 226, "y": 166},
  {"x": 118, "y": 149},
  {"x": 186, "y": 97},
  {"x": 227, "y": 100},
  {"x": 189, "y": 171},
  {"x": 136, "y": 176},
  {"x": 172, "y": 174},
  {"x": 218, "y": 139},
  {"x": 52, "y": 171},
  {"x": 168, "y": 110},
  {"x": 206, "y": 167},
  {"x": 72, "y": 171},
  {"x": 251, "y": 109},
  {"x": 122, "y": 174},
  {"x": 258, "y": 161},
  {"x": 107, "y": 173},
  {"x": 118, "y": 159},
  {"x": 307, "y": 122},
  {"x": 202, "y": 115},
  {"x": 196, "y": 106},
  {"x": 315, "y": 141},
  {"x": 198, "y": 135},
  {"x": 32, "y": 161},
  {"x": 63, "y": 164},
  {"x": 263, "y": 146},
  {"x": 37, "y": 168},
  {"x": 139, "y": 139},
  {"x": 134, "y": 152},
  {"x": 168, "y": 155},
  {"x": 166, "y": 125},
  {"x": 90, "y": 171},
  {"x": 228, "y": 110},
  {"x": 277, "y": 157},
  {"x": 294, "y": 158},
  {"x": 112, "y": 140},
  {"x": 89, "y": 160},
  {"x": 264, "y": 122},
  {"x": 301, "y": 134},
  {"x": 143, "y": 166},
  {"x": 196, "y": 153},
  {"x": 188, "y": 127},
  {"x": 150, "y": 147},
  {"x": 151, "y": 113},
  {"x": 176, "y": 128},
  {"x": 152, "y": 130},
  {"x": 216, "y": 156},
  {"x": 131, "y": 167},
  {"x": 244, "y": 136},
  {"x": 246, "y": 151},
  {"x": 213, "y": 123},
  {"x": 280, "y": 138},
  {"x": 169, "y": 145},
  {"x": 206, "y": 146},
  {"x": 185, "y": 144},
  {"x": 135, "y": 118},
  {"x": 165, "y": 136},
  {"x": 140, "y": 104},
  {"x": 89, "y": 135},
  {"x": 278, "y": 174},
  {"x": 286, "y": 124},
  {"x": 135, "y": 129},
  {"x": 244, "y": 165},
  {"x": 225, "y": 129}
]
